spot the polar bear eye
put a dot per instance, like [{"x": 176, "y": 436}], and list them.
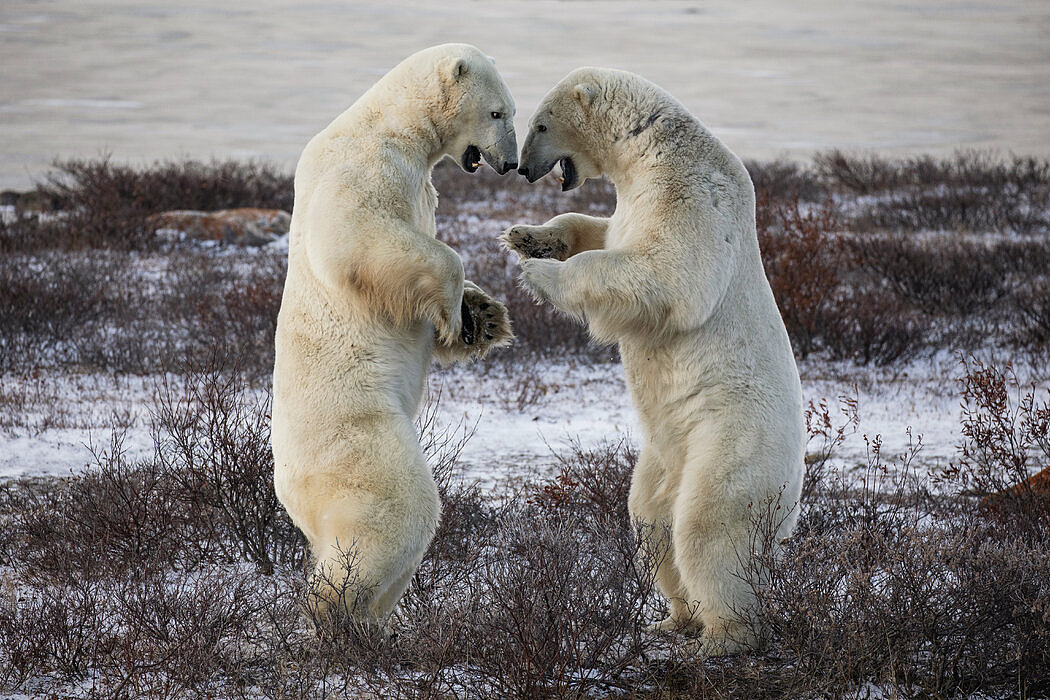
[
  {"x": 496, "y": 115},
  {"x": 541, "y": 127}
]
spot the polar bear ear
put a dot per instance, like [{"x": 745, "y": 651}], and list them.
[
  {"x": 455, "y": 68},
  {"x": 585, "y": 94}
]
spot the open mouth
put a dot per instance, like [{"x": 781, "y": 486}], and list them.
[
  {"x": 568, "y": 174},
  {"x": 471, "y": 159}
]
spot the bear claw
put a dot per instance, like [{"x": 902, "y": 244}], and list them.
[{"x": 487, "y": 321}]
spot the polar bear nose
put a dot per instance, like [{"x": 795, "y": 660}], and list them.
[
  {"x": 523, "y": 170},
  {"x": 507, "y": 167}
]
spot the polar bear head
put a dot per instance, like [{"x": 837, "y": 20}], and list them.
[
  {"x": 563, "y": 131},
  {"x": 589, "y": 121},
  {"x": 475, "y": 109}
]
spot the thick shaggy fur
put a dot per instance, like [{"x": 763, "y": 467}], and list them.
[
  {"x": 675, "y": 277},
  {"x": 371, "y": 296}
]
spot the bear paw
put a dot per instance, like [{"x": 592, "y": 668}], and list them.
[
  {"x": 736, "y": 641},
  {"x": 535, "y": 242},
  {"x": 673, "y": 624},
  {"x": 541, "y": 279},
  {"x": 486, "y": 324}
]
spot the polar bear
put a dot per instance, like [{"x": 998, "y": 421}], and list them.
[
  {"x": 370, "y": 297},
  {"x": 676, "y": 279}
]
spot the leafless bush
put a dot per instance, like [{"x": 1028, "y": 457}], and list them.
[
  {"x": 884, "y": 585},
  {"x": 872, "y": 326},
  {"x": 806, "y": 262},
  {"x": 543, "y": 594},
  {"x": 109, "y": 521},
  {"x": 952, "y": 277},
  {"x": 1006, "y": 439},
  {"x": 49, "y": 303},
  {"x": 596, "y": 480},
  {"x": 784, "y": 180},
  {"x": 1034, "y": 307},
  {"x": 106, "y": 204},
  {"x": 111, "y": 311},
  {"x": 825, "y": 435},
  {"x": 213, "y": 443},
  {"x": 867, "y": 174},
  {"x": 972, "y": 191}
]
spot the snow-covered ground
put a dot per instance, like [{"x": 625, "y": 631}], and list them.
[{"x": 518, "y": 422}]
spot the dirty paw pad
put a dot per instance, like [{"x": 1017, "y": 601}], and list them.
[
  {"x": 485, "y": 322},
  {"x": 535, "y": 242}
]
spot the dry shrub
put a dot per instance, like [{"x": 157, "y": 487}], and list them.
[
  {"x": 824, "y": 435},
  {"x": 784, "y": 180},
  {"x": 595, "y": 480},
  {"x": 563, "y": 608},
  {"x": 105, "y": 205},
  {"x": 1006, "y": 439},
  {"x": 872, "y": 326},
  {"x": 106, "y": 522},
  {"x": 1033, "y": 304},
  {"x": 111, "y": 311},
  {"x": 232, "y": 314},
  {"x": 542, "y": 594},
  {"x": 971, "y": 191},
  {"x": 949, "y": 276},
  {"x": 885, "y": 586},
  {"x": 1031, "y": 298},
  {"x": 806, "y": 263},
  {"x": 868, "y": 174},
  {"x": 213, "y": 442},
  {"x": 952, "y": 209},
  {"x": 859, "y": 174},
  {"x": 47, "y": 303}
]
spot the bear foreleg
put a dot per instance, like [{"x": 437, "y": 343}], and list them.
[{"x": 559, "y": 239}]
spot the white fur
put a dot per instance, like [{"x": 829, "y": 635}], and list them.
[
  {"x": 371, "y": 296},
  {"x": 675, "y": 277}
]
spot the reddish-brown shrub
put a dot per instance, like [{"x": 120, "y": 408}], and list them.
[
  {"x": 871, "y": 325},
  {"x": 806, "y": 262},
  {"x": 1006, "y": 438},
  {"x": 596, "y": 479}
]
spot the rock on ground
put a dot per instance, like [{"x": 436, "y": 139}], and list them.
[{"x": 247, "y": 226}]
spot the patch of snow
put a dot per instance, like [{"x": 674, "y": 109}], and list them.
[{"x": 519, "y": 417}]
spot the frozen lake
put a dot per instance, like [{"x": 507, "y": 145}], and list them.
[{"x": 145, "y": 80}]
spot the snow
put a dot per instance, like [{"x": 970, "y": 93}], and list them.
[{"x": 60, "y": 416}]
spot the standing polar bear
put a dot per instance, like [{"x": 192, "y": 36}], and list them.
[
  {"x": 675, "y": 277},
  {"x": 371, "y": 296}
]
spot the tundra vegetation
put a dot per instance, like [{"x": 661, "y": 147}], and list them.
[{"x": 178, "y": 573}]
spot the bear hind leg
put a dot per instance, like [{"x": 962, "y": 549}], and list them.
[
  {"x": 365, "y": 578},
  {"x": 651, "y": 511},
  {"x": 710, "y": 558}
]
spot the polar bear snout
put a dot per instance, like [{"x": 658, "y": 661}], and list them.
[
  {"x": 502, "y": 156},
  {"x": 507, "y": 167},
  {"x": 501, "y": 163}
]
